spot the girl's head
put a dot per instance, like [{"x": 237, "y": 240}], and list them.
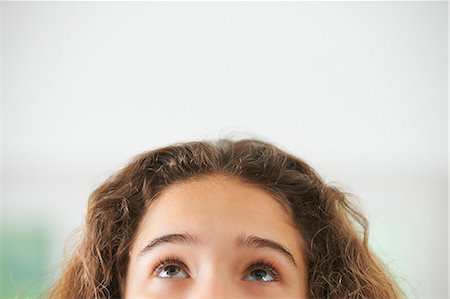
[
  {"x": 222, "y": 237},
  {"x": 237, "y": 219}
]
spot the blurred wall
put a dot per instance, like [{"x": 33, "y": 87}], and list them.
[{"x": 357, "y": 89}]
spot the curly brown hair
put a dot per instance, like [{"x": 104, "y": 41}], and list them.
[{"x": 339, "y": 261}]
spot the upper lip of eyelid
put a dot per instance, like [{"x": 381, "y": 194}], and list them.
[{"x": 263, "y": 266}]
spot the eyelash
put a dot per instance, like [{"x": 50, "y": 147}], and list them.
[{"x": 261, "y": 263}]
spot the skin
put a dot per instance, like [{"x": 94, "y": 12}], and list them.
[{"x": 217, "y": 210}]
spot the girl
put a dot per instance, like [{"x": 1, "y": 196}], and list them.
[{"x": 224, "y": 219}]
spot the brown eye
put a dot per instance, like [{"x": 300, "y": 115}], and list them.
[{"x": 171, "y": 271}]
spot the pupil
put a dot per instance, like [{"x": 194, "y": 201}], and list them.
[
  {"x": 259, "y": 274},
  {"x": 172, "y": 269}
]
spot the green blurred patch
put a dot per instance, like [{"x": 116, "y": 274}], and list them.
[{"x": 23, "y": 261}]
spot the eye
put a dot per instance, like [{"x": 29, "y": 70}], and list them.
[
  {"x": 262, "y": 272},
  {"x": 171, "y": 269},
  {"x": 259, "y": 275}
]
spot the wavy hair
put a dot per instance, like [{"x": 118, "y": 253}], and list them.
[{"x": 339, "y": 261}]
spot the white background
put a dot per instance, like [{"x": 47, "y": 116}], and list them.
[{"x": 357, "y": 89}]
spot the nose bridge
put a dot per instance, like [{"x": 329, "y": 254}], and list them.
[{"x": 215, "y": 281}]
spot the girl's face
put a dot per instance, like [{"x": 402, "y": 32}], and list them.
[{"x": 217, "y": 237}]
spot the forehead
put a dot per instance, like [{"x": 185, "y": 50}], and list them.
[{"x": 217, "y": 208}]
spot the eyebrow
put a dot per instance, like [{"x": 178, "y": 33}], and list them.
[{"x": 243, "y": 240}]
